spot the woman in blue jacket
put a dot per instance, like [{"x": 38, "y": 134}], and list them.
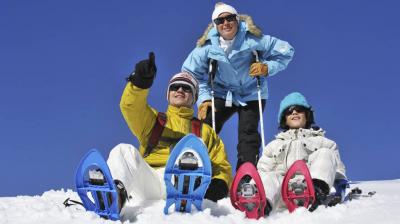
[{"x": 231, "y": 41}]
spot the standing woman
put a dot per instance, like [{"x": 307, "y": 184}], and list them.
[{"x": 231, "y": 41}]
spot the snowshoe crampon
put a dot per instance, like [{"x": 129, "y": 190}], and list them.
[
  {"x": 96, "y": 187},
  {"x": 247, "y": 196},
  {"x": 297, "y": 187},
  {"x": 187, "y": 174}
]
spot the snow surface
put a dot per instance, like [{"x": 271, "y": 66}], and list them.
[{"x": 383, "y": 207}]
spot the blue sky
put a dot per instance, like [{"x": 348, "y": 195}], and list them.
[{"x": 63, "y": 64}]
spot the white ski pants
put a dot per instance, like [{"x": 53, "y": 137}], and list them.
[
  {"x": 322, "y": 165},
  {"x": 141, "y": 181}
]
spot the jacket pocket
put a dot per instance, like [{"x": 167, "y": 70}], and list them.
[{"x": 279, "y": 153}]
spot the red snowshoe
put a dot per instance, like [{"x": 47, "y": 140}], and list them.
[
  {"x": 297, "y": 187},
  {"x": 246, "y": 196}
]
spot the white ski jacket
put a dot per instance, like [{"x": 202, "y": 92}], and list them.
[{"x": 297, "y": 144}]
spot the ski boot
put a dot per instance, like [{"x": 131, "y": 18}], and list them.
[
  {"x": 321, "y": 194},
  {"x": 97, "y": 178}
]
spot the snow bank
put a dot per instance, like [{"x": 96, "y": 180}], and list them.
[{"x": 383, "y": 207}]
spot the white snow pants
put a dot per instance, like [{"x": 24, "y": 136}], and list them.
[
  {"x": 322, "y": 165},
  {"x": 141, "y": 181}
]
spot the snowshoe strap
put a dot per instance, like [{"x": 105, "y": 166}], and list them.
[
  {"x": 69, "y": 202},
  {"x": 156, "y": 132}
]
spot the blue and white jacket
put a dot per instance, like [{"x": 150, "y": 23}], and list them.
[{"x": 232, "y": 80}]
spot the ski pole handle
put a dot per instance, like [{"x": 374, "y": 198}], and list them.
[
  {"x": 256, "y": 58},
  {"x": 255, "y": 53},
  {"x": 211, "y": 73}
]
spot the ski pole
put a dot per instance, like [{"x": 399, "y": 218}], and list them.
[
  {"x": 211, "y": 73},
  {"x": 259, "y": 102}
]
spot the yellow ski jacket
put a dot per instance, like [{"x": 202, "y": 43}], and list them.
[{"x": 141, "y": 118}]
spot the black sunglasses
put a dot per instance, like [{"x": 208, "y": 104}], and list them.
[
  {"x": 185, "y": 88},
  {"x": 221, "y": 20},
  {"x": 297, "y": 108}
]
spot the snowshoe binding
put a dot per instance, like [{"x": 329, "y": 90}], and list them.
[
  {"x": 187, "y": 174},
  {"x": 97, "y": 189},
  {"x": 297, "y": 187},
  {"x": 247, "y": 195}
]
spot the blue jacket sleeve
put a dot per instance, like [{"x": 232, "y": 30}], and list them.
[
  {"x": 277, "y": 54},
  {"x": 196, "y": 64}
]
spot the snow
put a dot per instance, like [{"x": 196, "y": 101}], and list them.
[{"x": 383, "y": 207}]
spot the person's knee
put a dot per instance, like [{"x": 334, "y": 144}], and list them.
[{"x": 123, "y": 149}]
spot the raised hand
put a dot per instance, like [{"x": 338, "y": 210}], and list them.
[{"x": 146, "y": 68}]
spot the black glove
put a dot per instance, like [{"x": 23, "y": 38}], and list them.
[
  {"x": 145, "y": 72},
  {"x": 217, "y": 190}
]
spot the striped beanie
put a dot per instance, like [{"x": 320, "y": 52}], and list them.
[{"x": 188, "y": 79}]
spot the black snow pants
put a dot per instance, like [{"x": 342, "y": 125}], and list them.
[{"x": 249, "y": 140}]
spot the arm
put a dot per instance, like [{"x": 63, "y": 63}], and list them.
[
  {"x": 197, "y": 64},
  {"x": 267, "y": 163},
  {"x": 134, "y": 100},
  {"x": 134, "y": 103},
  {"x": 276, "y": 54}
]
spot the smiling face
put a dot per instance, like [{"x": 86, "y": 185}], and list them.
[
  {"x": 227, "y": 29},
  {"x": 180, "y": 98},
  {"x": 296, "y": 119}
]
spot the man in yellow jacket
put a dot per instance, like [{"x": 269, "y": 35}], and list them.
[{"x": 142, "y": 171}]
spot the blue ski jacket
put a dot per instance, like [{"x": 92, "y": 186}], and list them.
[{"x": 232, "y": 80}]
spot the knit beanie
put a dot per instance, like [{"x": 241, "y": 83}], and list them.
[
  {"x": 220, "y": 8},
  {"x": 188, "y": 79},
  {"x": 294, "y": 98}
]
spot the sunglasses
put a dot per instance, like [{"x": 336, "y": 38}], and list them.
[
  {"x": 297, "y": 108},
  {"x": 185, "y": 88},
  {"x": 221, "y": 20}
]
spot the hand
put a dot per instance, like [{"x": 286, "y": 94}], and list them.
[
  {"x": 217, "y": 190},
  {"x": 258, "y": 69},
  {"x": 146, "y": 68},
  {"x": 203, "y": 108},
  {"x": 144, "y": 73}
]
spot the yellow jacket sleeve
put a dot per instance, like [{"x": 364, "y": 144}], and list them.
[
  {"x": 221, "y": 168},
  {"x": 139, "y": 116}
]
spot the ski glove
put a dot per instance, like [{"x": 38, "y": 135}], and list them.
[
  {"x": 258, "y": 69},
  {"x": 217, "y": 190},
  {"x": 203, "y": 108},
  {"x": 144, "y": 73}
]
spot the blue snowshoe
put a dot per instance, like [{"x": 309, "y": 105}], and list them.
[
  {"x": 187, "y": 174},
  {"x": 97, "y": 189}
]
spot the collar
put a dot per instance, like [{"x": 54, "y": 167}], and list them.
[
  {"x": 292, "y": 134},
  {"x": 183, "y": 112}
]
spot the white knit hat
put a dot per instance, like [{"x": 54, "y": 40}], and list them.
[
  {"x": 188, "y": 79},
  {"x": 220, "y": 8}
]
